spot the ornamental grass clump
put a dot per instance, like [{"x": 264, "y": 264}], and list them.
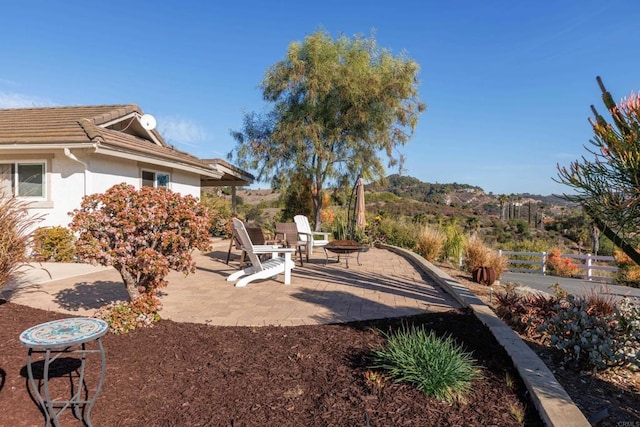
[
  {"x": 454, "y": 241},
  {"x": 437, "y": 366},
  {"x": 430, "y": 243},
  {"x": 478, "y": 254},
  {"x": 15, "y": 235}
]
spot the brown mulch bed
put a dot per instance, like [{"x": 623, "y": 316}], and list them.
[
  {"x": 180, "y": 374},
  {"x": 612, "y": 396}
]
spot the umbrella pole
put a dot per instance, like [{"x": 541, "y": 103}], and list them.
[{"x": 351, "y": 214}]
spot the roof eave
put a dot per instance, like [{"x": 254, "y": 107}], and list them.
[
  {"x": 202, "y": 171},
  {"x": 41, "y": 146},
  {"x": 232, "y": 175}
]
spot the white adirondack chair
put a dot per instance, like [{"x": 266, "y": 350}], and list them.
[
  {"x": 308, "y": 236},
  {"x": 261, "y": 269}
]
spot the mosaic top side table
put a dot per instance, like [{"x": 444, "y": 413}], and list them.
[{"x": 53, "y": 339}]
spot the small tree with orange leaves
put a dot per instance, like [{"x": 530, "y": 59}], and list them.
[{"x": 142, "y": 233}]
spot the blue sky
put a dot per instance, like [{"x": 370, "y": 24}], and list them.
[{"x": 508, "y": 84}]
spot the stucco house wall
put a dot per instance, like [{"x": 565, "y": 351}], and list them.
[
  {"x": 53, "y": 156},
  {"x": 66, "y": 182}
]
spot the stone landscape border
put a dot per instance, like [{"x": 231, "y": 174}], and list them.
[{"x": 555, "y": 406}]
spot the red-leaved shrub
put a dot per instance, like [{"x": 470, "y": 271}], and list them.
[
  {"x": 142, "y": 233},
  {"x": 561, "y": 266}
]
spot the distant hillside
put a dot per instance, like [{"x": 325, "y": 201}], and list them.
[
  {"x": 413, "y": 188},
  {"x": 498, "y": 218},
  {"x": 454, "y": 193},
  {"x": 550, "y": 199},
  {"x": 405, "y": 195}
]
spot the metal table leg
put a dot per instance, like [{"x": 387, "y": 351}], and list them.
[
  {"x": 54, "y": 339},
  {"x": 81, "y": 407}
]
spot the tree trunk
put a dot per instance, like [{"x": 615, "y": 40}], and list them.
[
  {"x": 595, "y": 239},
  {"x": 629, "y": 250},
  {"x": 130, "y": 284},
  {"x": 317, "y": 208}
]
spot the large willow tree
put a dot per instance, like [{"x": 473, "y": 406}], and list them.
[
  {"x": 608, "y": 186},
  {"x": 338, "y": 106}
]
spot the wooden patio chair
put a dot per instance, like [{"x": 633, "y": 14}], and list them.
[
  {"x": 287, "y": 235},
  {"x": 261, "y": 269},
  {"x": 255, "y": 234}
]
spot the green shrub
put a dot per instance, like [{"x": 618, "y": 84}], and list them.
[
  {"x": 526, "y": 245},
  {"x": 219, "y": 211},
  {"x": 339, "y": 225},
  {"x": 606, "y": 246},
  {"x": 297, "y": 198},
  {"x": 454, "y": 241},
  {"x": 383, "y": 196},
  {"x": 396, "y": 233},
  {"x": 54, "y": 244},
  {"x": 253, "y": 214},
  {"x": 437, "y": 366},
  {"x": 521, "y": 226},
  {"x": 338, "y": 228}
]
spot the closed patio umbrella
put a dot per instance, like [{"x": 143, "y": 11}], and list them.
[{"x": 361, "y": 221}]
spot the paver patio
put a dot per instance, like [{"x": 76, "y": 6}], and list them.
[{"x": 385, "y": 285}]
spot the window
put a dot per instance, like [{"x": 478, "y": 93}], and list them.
[
  {"x": 155, "y": 179},
  {"x": 23, "y": 179}
]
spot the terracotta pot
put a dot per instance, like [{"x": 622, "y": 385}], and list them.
[{"x": 484, "y": 275}]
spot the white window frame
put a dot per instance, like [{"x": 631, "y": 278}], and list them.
[
  {"x": 155, "y": 177},
  {"x": 16, "y": 178}
]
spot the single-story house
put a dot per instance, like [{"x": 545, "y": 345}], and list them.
[{"x": 54, "y": 156}]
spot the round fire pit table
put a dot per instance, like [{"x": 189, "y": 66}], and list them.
[{"x": 346, "y": 249}]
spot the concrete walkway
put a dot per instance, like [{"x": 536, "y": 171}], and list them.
[
  {"x": 385, "y": 285},
  {"x": 577, "y": 287}
]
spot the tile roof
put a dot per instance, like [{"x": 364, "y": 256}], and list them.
[
  {"x": 53, "y": 124},
  {"x": 230, "y": 171},
  {"x": 81, "y": 124}
]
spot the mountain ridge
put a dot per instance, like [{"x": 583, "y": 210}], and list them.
[{"x": 458, "y": 195}]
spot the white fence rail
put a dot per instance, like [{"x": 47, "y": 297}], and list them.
[{"x": 589, "y": 267}]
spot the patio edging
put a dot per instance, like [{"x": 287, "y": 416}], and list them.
[{"x": 555, "y": 406}]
